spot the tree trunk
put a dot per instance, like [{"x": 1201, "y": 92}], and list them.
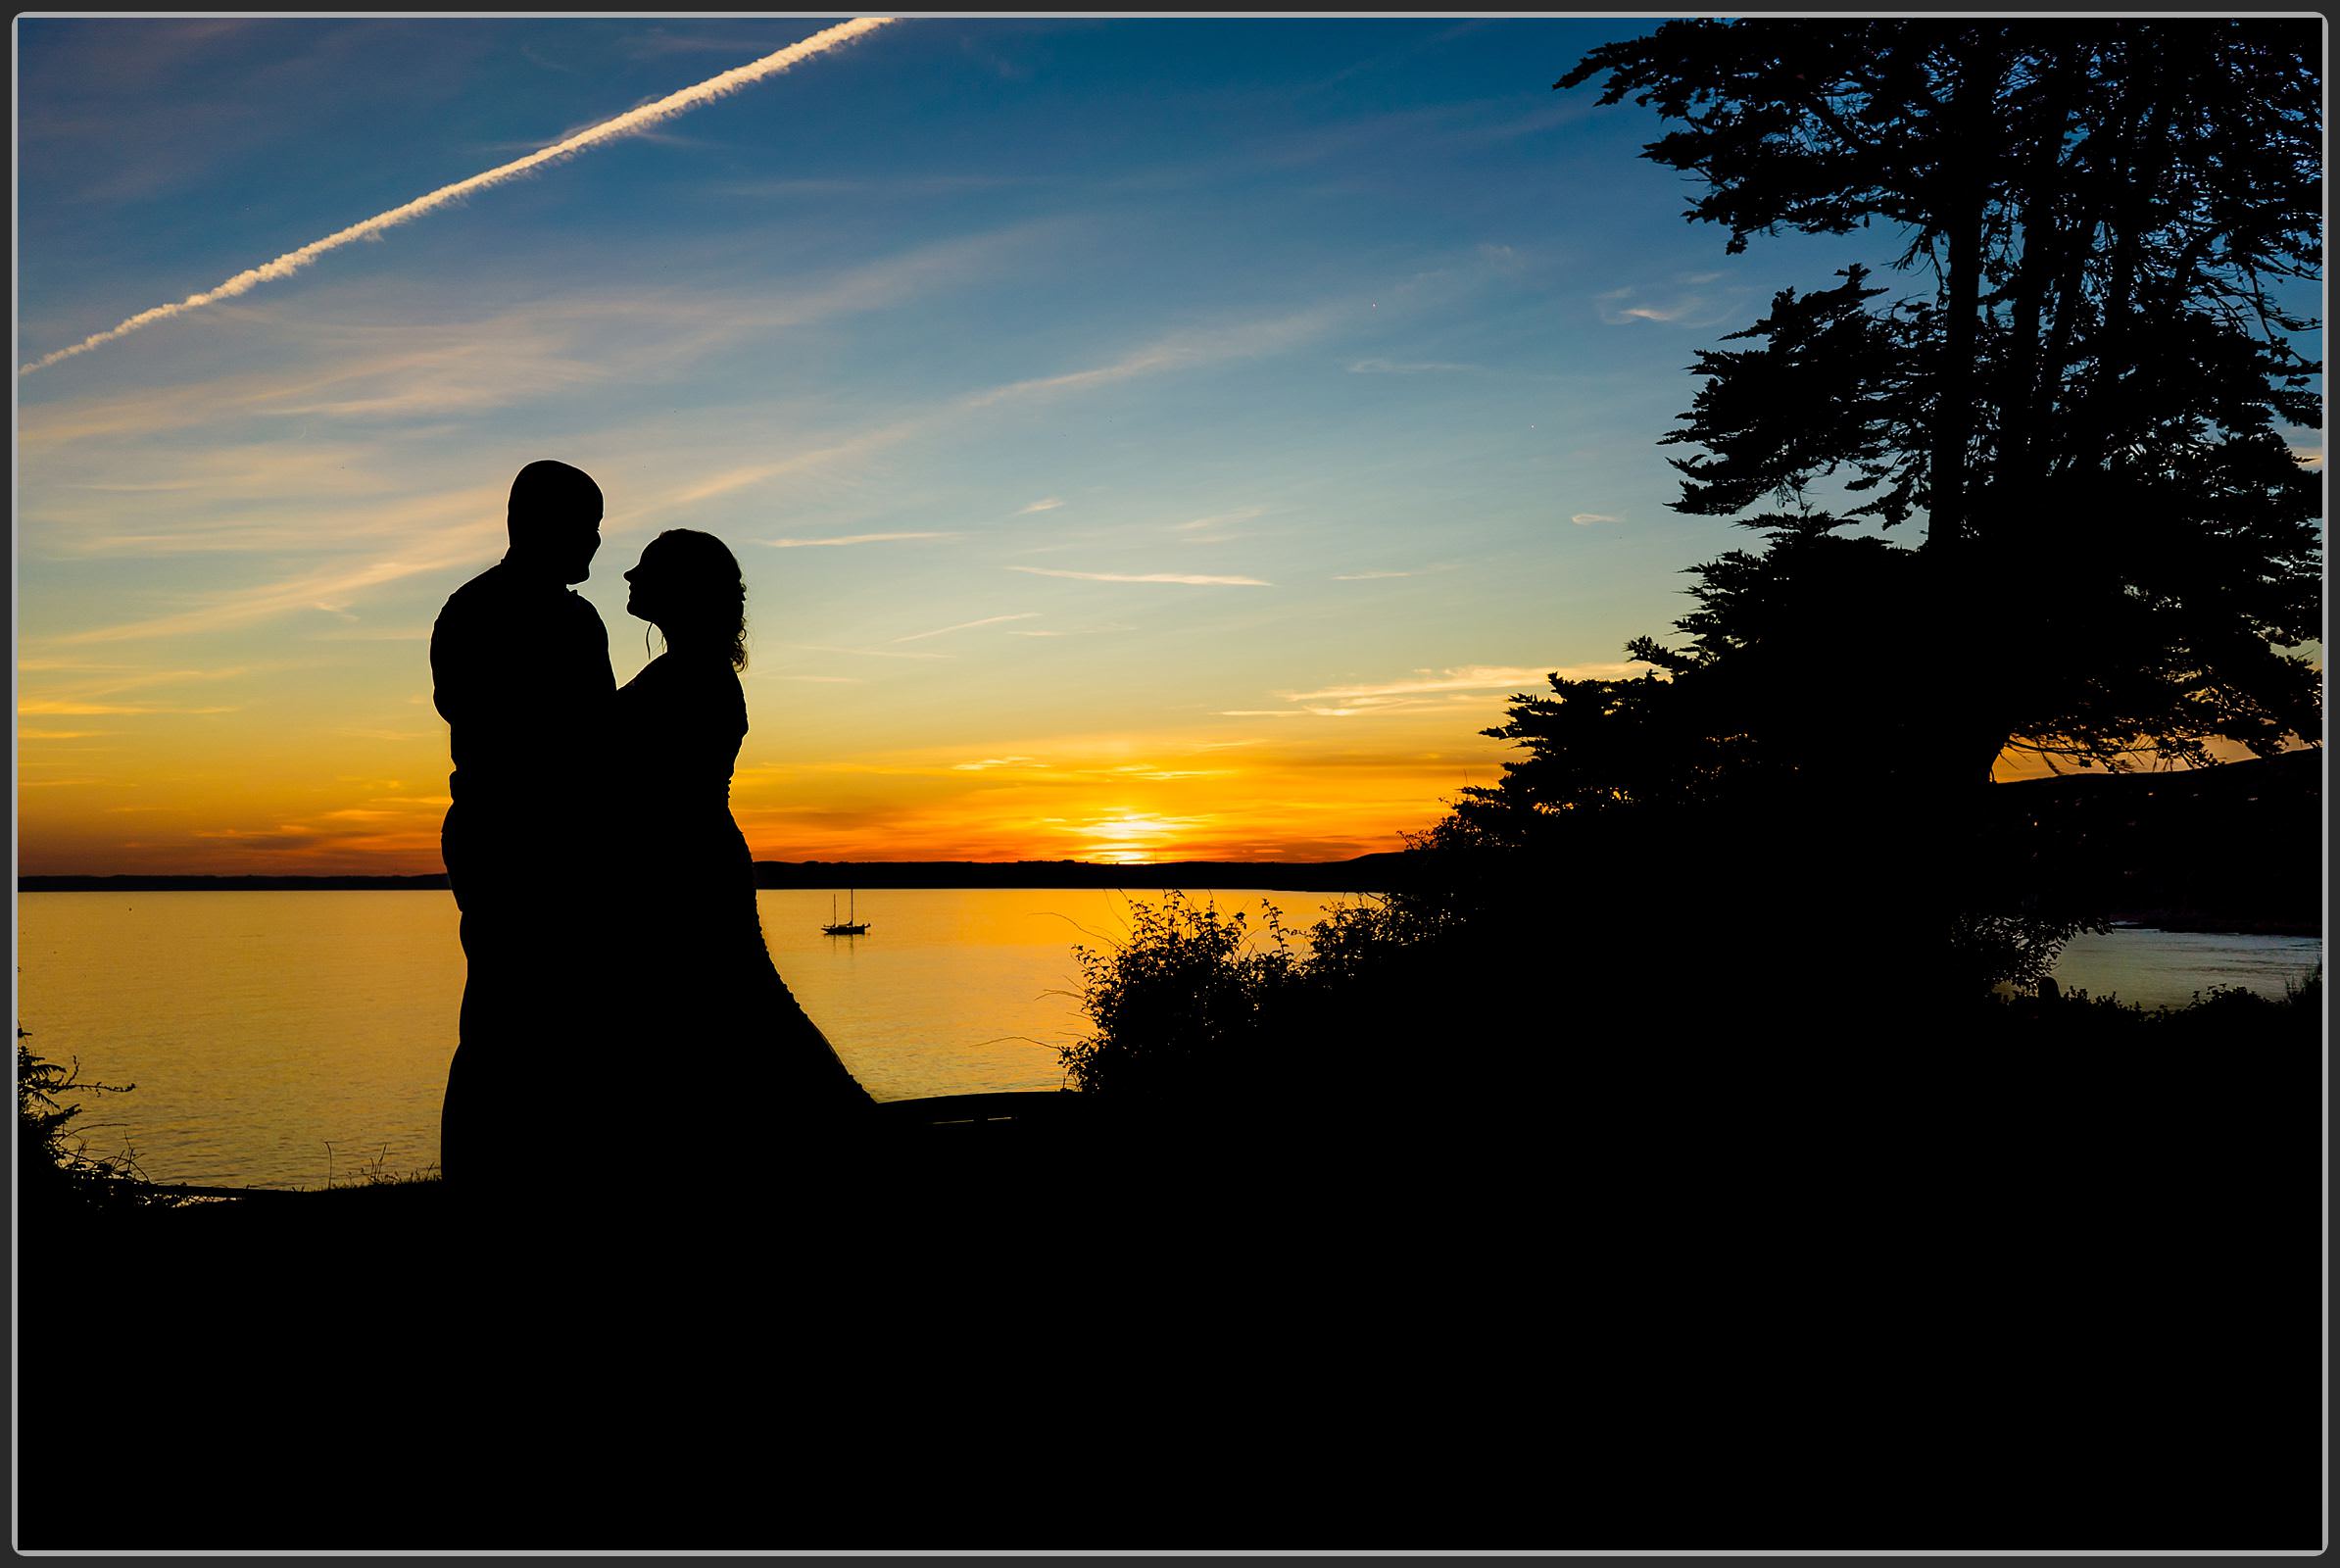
[
  {"x": 2134, "y": 172},
  {"x": 2044, "y": 186},
  {"x": 1965, "y": 177}
]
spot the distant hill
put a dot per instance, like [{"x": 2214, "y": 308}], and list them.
[{"x": 2239, "y": 846}]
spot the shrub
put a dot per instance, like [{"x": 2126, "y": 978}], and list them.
[
  {"x": 1199, "y": 1004},
  {"x": 2225, "y": 1013},
  {"x": 2017, "y": 948},
  {"x": 1181, "y": 1002},
  {"x": 1420, "y": 1003},
  {"x": 53, "y": 1173}
]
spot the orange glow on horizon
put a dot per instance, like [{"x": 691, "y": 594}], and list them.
[
  {"x": 211, "y": 802},
  {"x": 2017, "y": 763}
]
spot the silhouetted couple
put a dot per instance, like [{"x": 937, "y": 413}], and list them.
[{"x": 619, "y": 1000}]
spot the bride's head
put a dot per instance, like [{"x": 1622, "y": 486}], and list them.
[{"x": 688, "y": 585}]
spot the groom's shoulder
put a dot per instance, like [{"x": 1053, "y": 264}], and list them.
[
  {"x": 488, "y": 586},
  {"x": 499, "y": 594},
  {"x": 461, "y": 613}
]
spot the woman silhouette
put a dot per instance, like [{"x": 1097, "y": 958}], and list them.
[{"x": 707, "y": 999}]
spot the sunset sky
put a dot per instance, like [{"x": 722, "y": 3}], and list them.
[{"x": 1143, "y": 439}]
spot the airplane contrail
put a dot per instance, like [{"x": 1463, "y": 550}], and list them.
[{"x": 633, "y": 120}]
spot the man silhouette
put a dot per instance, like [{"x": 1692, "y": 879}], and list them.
[{"x": 520, "y": 672}]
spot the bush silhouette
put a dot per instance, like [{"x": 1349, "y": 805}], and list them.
[{"x": 54, "y": 1175}]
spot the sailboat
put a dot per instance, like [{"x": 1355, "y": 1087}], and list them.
[{"x": 847, "y": 927}]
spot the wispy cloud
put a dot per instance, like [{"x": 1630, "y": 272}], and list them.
[
  {"x": 1146, "y": 576},
  {"x": 67, "y": 707},
  {"x": 1378, "y": 577},
  {"x": 384, "y": 531},
  {"x": 850, "y": 539},
  {"x": 1646, "y": 313},
  {"x": 327, "y": 587},
  {"x": 899, "y": 185},
  {"x": 272, "y": 498},
  {"x": 1218, "y": 519},
  {"x": 1548, "y": 118},
  {"x": 1177, "y": 351},
  {"x": 120, "y": 678},
  {"x": 1462, "y": 686},
  {"x": 1466, "y": 678},
  {"x": 1367, "y": 134},
  {"x": 366, "y": 372},
  {"x": 867, "y": 653},
  {"x": 1184, "y": 350},
  {"x": 284, "y": 836},
  {"x": 631, "y": 122},
  {"x": 1075, "y": 631},
  {"x": 968, "y": 625},
  {"x": 990, "y": 762},
  {"x": 1620, "y": 307},
  {"x": 1405, "y": 366},
  {"x": 1584, "y": 519},
  {"x": 393, "y": 351}
]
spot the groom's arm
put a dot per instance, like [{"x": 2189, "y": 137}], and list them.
[
  {"x": 445, "y": 657},
  {"x": 587, "y": 674}
]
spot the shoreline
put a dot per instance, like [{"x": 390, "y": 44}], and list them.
[{"x": 2181, "y": 924}]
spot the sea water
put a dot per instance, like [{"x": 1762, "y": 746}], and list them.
[{"x": 292, "y": 1037}]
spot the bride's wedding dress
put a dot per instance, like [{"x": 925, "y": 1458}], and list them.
[{"x": 710, "y": 1007}]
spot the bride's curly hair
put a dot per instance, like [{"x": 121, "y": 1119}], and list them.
[{"x": 711, "y": 593}]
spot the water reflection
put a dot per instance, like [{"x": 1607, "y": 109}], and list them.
[
  {"x": 274, "y": 1036},
  {"x": 2165, "y": 968}
]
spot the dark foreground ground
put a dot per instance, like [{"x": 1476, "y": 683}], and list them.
[{"x": 2005, "y": 1302}]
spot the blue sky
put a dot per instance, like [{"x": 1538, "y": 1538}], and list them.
[{"x": 1142, "y": 437}]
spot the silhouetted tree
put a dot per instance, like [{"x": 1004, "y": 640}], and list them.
[
  {"x": 2084, "y": 409},
  {"x": 2085, "y": 413}
]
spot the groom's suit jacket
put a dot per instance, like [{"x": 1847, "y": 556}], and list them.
[{"x": 520, "y": 672}]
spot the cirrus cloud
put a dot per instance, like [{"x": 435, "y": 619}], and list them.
[
  {"x": 1194, "y": 578},
  {"x": 1462, "y": 685},
  {"x": 849, "y": 539}
]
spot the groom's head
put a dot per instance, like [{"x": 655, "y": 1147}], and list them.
[{"x": 556, "y": 520}]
